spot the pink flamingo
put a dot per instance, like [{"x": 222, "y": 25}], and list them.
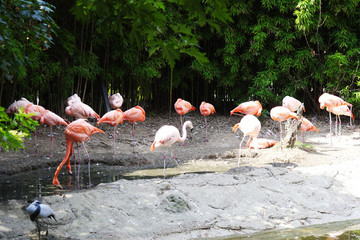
[
  {"x": 183, "y": 107},
  {"x": 113, "y": 118},
  {"x": 206, "y": 109},
  {"x": 133, "y": 115},
  {"x": 77, "y": 131},
  {"x": 251, "y": 108},
  {"x": 51, "y": 119},
  {"x": 306, "y": 126},
  {"x": 281, "y": 114}
]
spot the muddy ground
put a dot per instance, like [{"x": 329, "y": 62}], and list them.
[{"x": 285, "y": 168}]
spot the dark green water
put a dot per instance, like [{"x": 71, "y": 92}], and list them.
[
  {"x": 29, "y": 185},
  {"x": 344, "y": 230}
]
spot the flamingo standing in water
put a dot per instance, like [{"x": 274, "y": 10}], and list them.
[
  {"x": 329, "y": 101},
  {"x": 77, "y": 131},
  {"x": 36, "y": 110},
  {"x": 281, "y": 114},
  {"x": 206, "y": 109},
  {"x": 14, "y": 107},
  {"x": 166, "y": 136},
  {"x": 51, "y": 119},
  {"x": 133, "y": 115},
  {"x": 183, "y": 107},
  {"x": 306, "y": 126},
  {"x": 291, "y": 103},
  {"x": 251, "y": 108},
  {"x": 250, "y": 126},
  {"x": 113, "y": 118},
  {"x": 116, "y": 101}
]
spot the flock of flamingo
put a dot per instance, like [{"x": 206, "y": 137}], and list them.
[{"x": 80, "y": 130}]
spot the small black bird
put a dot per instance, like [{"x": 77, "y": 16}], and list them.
[{"x": 39, "y": 210}]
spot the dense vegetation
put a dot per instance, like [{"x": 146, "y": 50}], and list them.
[{"x": 154, "y": 51}]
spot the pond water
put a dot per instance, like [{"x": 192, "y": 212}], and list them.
[
  {"x": 38, "y": 183},
  {"x": 344, "y": 230}
]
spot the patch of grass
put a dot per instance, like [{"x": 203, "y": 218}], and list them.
[{"x": 304, "y": 146}]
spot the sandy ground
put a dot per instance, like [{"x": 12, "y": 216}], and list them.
[{"x": 315, "y": 182}]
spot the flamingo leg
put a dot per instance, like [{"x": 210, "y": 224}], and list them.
[
  {"x": 35, "y": 138},
  {"x": 88, "y": 165},
  {"x": 181, "y": 121},
  {"x": 336, "y": 125},
  {"x": 133, "y": 134},
  {"x": 240, "y": 150},
  {"x": 164, "y": 166},
  {"x": 330, "y": 128},
  {"x": 206, "y": 140},
  {"x": 114, "y": 135},
  {"x": 173, "y": 157},
  {"x": 339, "y": 125},
  {"x": 52, "y": 142}
]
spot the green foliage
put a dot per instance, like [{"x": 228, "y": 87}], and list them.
[
  {"x": 26, "y": 29},
  {"x": 12, "y": 131}
]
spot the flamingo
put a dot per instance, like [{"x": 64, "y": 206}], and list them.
[
  {"x": 206, "y": 109},
  {"x": 251, "y": 107},
  {"x": 40, "y": 210},
  {"x": 306, "y": 126},
  {"x": 281, "y": 114},
  {"x": 13, "y": 108},
  {"x": 77, "y": 131},
  {"x": 166, "y": 136},
  {"x": 36, "y": 110},
  {"x": 250, "y": 126},
  {"x": 113, "y": 118},
  {"x": 51, "y": 119},
  {"x": 183, "y": 107},
  {"x": 340, "y": 110},
  {"x": 133, "y": 115},
  {"x": 330, "y": 101},
  {"x": 260, "y": 143},
  {"x": 72, "y": 99},
  {"x": 79, "y": 109},
  {"x": 291, "y": 103},
  {"x": 116, "y": 101}
]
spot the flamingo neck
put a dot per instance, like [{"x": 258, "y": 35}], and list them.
[{"x": 184, "y": 133}]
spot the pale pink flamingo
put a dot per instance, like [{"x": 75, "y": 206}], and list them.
[
  {"x": 206, "y": 109},
  {"x": 251, "y": 108},
  {"x": 51, "y": 119},
  {"x": 133, "y": 115},
  {"x": 281, "y": 114},
  {"x": 79, "y": 109},
  {"x": 14, "y": 107},
  {"x": 113, "y": 118},
  {"x": 340, "y": 110},
  {"x": 36, "y": 110},
  {"x": 291, "y": 103},
  {"x": 116, "y": 101},
  {"x": 250, "y": 126},
  {"x": 330, "y": 101},
  {"x": 166, "y": 136}
]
